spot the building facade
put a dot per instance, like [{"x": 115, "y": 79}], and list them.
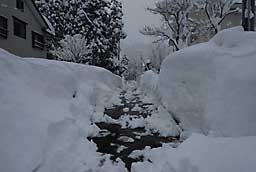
[{"x": 23, "y": 30}]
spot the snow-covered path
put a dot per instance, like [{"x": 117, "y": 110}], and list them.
[{"x": 133, "y": 123}]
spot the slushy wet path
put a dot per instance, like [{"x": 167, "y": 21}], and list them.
[{"x": 121, "y": 140}]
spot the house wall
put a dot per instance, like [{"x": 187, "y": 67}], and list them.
[{"x": 14, "y": 44}]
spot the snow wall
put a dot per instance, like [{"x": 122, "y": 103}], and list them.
[
  {"x": 46, "y": 108},
  {"x": 211, "y": 87}
]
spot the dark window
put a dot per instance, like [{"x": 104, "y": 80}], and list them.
[
  {"x": 3, "y": 27},
  {"x": 37, "y": 41},
  {"x": 19, "y": 28},
  {"x": 20, "y": 5}
]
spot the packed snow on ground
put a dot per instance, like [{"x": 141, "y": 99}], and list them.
[
  {"x": 200, "y": 154},
  {"x": 46, "y": 115},
  {"x": 211, "y": 87}
]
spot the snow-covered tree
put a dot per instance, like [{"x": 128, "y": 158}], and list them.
[
  {"x": 215, "y": 12},
  {"x": 107, "y": 33},
  {"x": 185, "y": 22},
  {"x": 159, "y": 53},
  {"x": 175, "y": 22},
  {"x": 73, "y": 49},
  {"x": 99, "y": 21}
]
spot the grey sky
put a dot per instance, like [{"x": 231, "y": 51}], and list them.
[{"x": 135, "y": 17}]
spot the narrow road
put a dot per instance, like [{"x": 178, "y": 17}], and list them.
[{"x": 133, "y": 130}]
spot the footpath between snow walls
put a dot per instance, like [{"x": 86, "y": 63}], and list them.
[
  {"x": 46, "y": 113},
  {"x": 211, "y": 87}
]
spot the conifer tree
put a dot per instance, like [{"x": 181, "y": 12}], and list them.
[{"x": 99, "y": 21}]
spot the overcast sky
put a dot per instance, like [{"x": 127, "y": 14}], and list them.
[{"x": 135, "y": 17}]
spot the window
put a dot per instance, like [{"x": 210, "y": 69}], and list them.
[
  {"x": 19, "y": 28},
  {"x": 37, "y": 41},
  {"x": 20, "y": 5},
  {"x": 3, "y": 27}
]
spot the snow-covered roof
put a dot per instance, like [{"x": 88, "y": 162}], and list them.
[
  {"x": 50, "y": 29},
  {"x": 41, "y": 19}
]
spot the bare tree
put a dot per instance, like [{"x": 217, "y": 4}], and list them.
[
  {"x": 216, "y": 11},
  {"x": 181, "y": 27},
  {"x": 175, "y": 21},
  {"x": 159, "y": 53}
]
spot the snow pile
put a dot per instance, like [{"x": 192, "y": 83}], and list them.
[
  {"x": 211, "y": 87},
  {"x": 148, "y": 82},
  {"x": 46, "y": 111},
  {"x": 200, "y": 154}
]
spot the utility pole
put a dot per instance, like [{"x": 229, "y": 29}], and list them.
[{"x": 248, "y": 15}]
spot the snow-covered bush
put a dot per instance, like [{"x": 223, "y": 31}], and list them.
[
  {"x": 211, "y": 87},
  {"x": 73, "y": 49}
]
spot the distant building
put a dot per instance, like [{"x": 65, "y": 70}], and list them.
[{"x": 23, "y": 29}]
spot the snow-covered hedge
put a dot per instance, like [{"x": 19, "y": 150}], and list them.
[
  {"x": 211, "y": 87},
  {"x": 46, "y": 109}
]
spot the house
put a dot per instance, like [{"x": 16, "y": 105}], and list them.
[{"x": 23, "y": 29}]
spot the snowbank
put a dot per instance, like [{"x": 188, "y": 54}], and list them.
[
  {"x": 211, "y": 87},
  {"x": 200, "y": 154},
  {"x": 46, "y": 108},
  {"x": 148, "y": 82}
]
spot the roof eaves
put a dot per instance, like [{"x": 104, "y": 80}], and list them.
[{"x": 41, "y": 16}]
